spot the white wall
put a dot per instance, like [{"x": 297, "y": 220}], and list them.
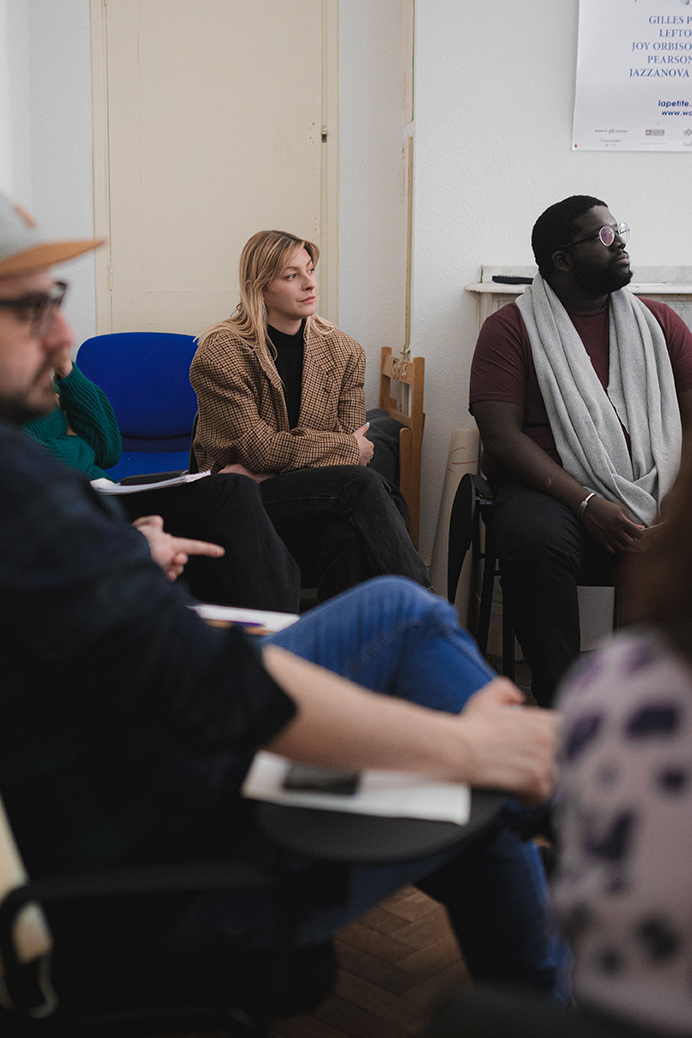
[
  {"x": 15, "y": 159},
  {"x": 6, "y": 149},
  {"x": 45, "y": 137},
  {"x": 373, "y": 117},
  {"x": 494, "y": 95}
]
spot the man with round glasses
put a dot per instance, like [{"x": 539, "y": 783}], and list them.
[
  {"x": 607, "y": 235},
  {"x": 582, "y": 394},
  {"x": 37, "y": 307}
]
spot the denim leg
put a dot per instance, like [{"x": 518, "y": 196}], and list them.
[
  {"x": 497, "y": 902},
  {"x": 396, "y": 638},
  {"x": 392, "y": 636},
  {"x": 498, "y": 905},
  {"x": 494, "y": 891}
]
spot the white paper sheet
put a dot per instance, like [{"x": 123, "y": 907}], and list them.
[
  {"x": 250, "y": 618},
  {"x": 392, "y": 794},
  {"x": 106, "y": 486}
]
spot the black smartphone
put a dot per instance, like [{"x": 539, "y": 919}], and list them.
[
  {"x": 305, "y": 778},
  {"x": 511, "y": 279}
]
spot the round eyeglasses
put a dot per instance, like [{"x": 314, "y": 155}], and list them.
[
  {"x": 607, "y": 234},
  {"x": 38, "y": 307}
]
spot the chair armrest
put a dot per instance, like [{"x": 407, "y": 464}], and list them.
[{"x": 23, "y": 988}]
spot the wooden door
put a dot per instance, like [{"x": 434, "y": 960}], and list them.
[{"x": 213, "y": 119}]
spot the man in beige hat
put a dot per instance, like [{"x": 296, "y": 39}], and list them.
[
  {"x": 128, "y": 723},
  {"x": 27, "y": 290},
  {"x": 35, "y": 330}
]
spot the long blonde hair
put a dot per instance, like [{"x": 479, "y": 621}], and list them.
[{"x": 263, "y": 258}]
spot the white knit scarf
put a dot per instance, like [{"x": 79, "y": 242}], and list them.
[{"x": 587, "y": 422}]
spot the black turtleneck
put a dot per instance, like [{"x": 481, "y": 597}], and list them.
[{"x": 289, "y": 364}]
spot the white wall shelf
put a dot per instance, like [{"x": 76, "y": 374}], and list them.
[{"x": 671, "y": 285}]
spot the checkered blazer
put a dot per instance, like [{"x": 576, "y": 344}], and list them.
[{"x": 242, "y": 409}]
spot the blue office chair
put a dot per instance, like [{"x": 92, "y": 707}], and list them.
[{"x": 145, "y": 375}]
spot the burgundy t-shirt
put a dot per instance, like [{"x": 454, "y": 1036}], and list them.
[{"x": 503, "y": 368}]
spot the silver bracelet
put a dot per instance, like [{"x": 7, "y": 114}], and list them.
[{"x": 582, "y": 506}]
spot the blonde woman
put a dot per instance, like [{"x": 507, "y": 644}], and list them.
[{"x": 281, "y": 401}]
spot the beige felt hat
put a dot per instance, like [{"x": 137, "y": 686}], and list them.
[{"x": 22, "y": 247}]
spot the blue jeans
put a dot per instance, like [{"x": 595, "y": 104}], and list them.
[{"x": 392, "y": 636}]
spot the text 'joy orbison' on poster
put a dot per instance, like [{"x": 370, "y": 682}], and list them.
[{"x": 634, "y": 76}]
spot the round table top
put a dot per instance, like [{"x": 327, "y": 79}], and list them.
[{"x": 353, "y": 838}]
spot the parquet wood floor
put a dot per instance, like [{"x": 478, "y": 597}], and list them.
[{"x": 394, "y": 964}]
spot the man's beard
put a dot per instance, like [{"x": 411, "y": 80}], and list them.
[
  {"x": 600, "y": 281},
  {"x": 20, "y": 408},
  {"x": 17, "y": 412}
]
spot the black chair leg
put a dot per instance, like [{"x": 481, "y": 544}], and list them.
[
  {"x": 487, "y": 586},
  {"x": 473, "y": 501},
  {"x": 507, "y": 646}
]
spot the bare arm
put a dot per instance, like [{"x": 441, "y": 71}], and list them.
[
  {"x": 500, "y": 426},
  {"x": 339, "y": 724}
]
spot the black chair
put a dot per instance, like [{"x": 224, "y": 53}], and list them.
[
  {"x": 474, "y": 502},
  {"x": 100, "y": 969},
  {"x": 192, "y": 465},
  {"x": 118, "y": 983}
]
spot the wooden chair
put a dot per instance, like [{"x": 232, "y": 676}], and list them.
[{"x": 410, "y": 373}]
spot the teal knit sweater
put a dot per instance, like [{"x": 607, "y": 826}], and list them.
[{"x": 96, "y": 444}]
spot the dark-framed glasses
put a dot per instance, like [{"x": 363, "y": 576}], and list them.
[
  {"x": 607, "y": 234},
  {"x": 37, "y": 307}
]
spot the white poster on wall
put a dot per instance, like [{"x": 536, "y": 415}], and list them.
[{"x": 634, "y": 76}]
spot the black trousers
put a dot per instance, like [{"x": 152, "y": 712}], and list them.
[
  {"x": 343, "y": 524},
  {"x": 257, "y": 570},
  {"x": 496, "y": 1012},
  {"x": 544, "y": 553}
]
